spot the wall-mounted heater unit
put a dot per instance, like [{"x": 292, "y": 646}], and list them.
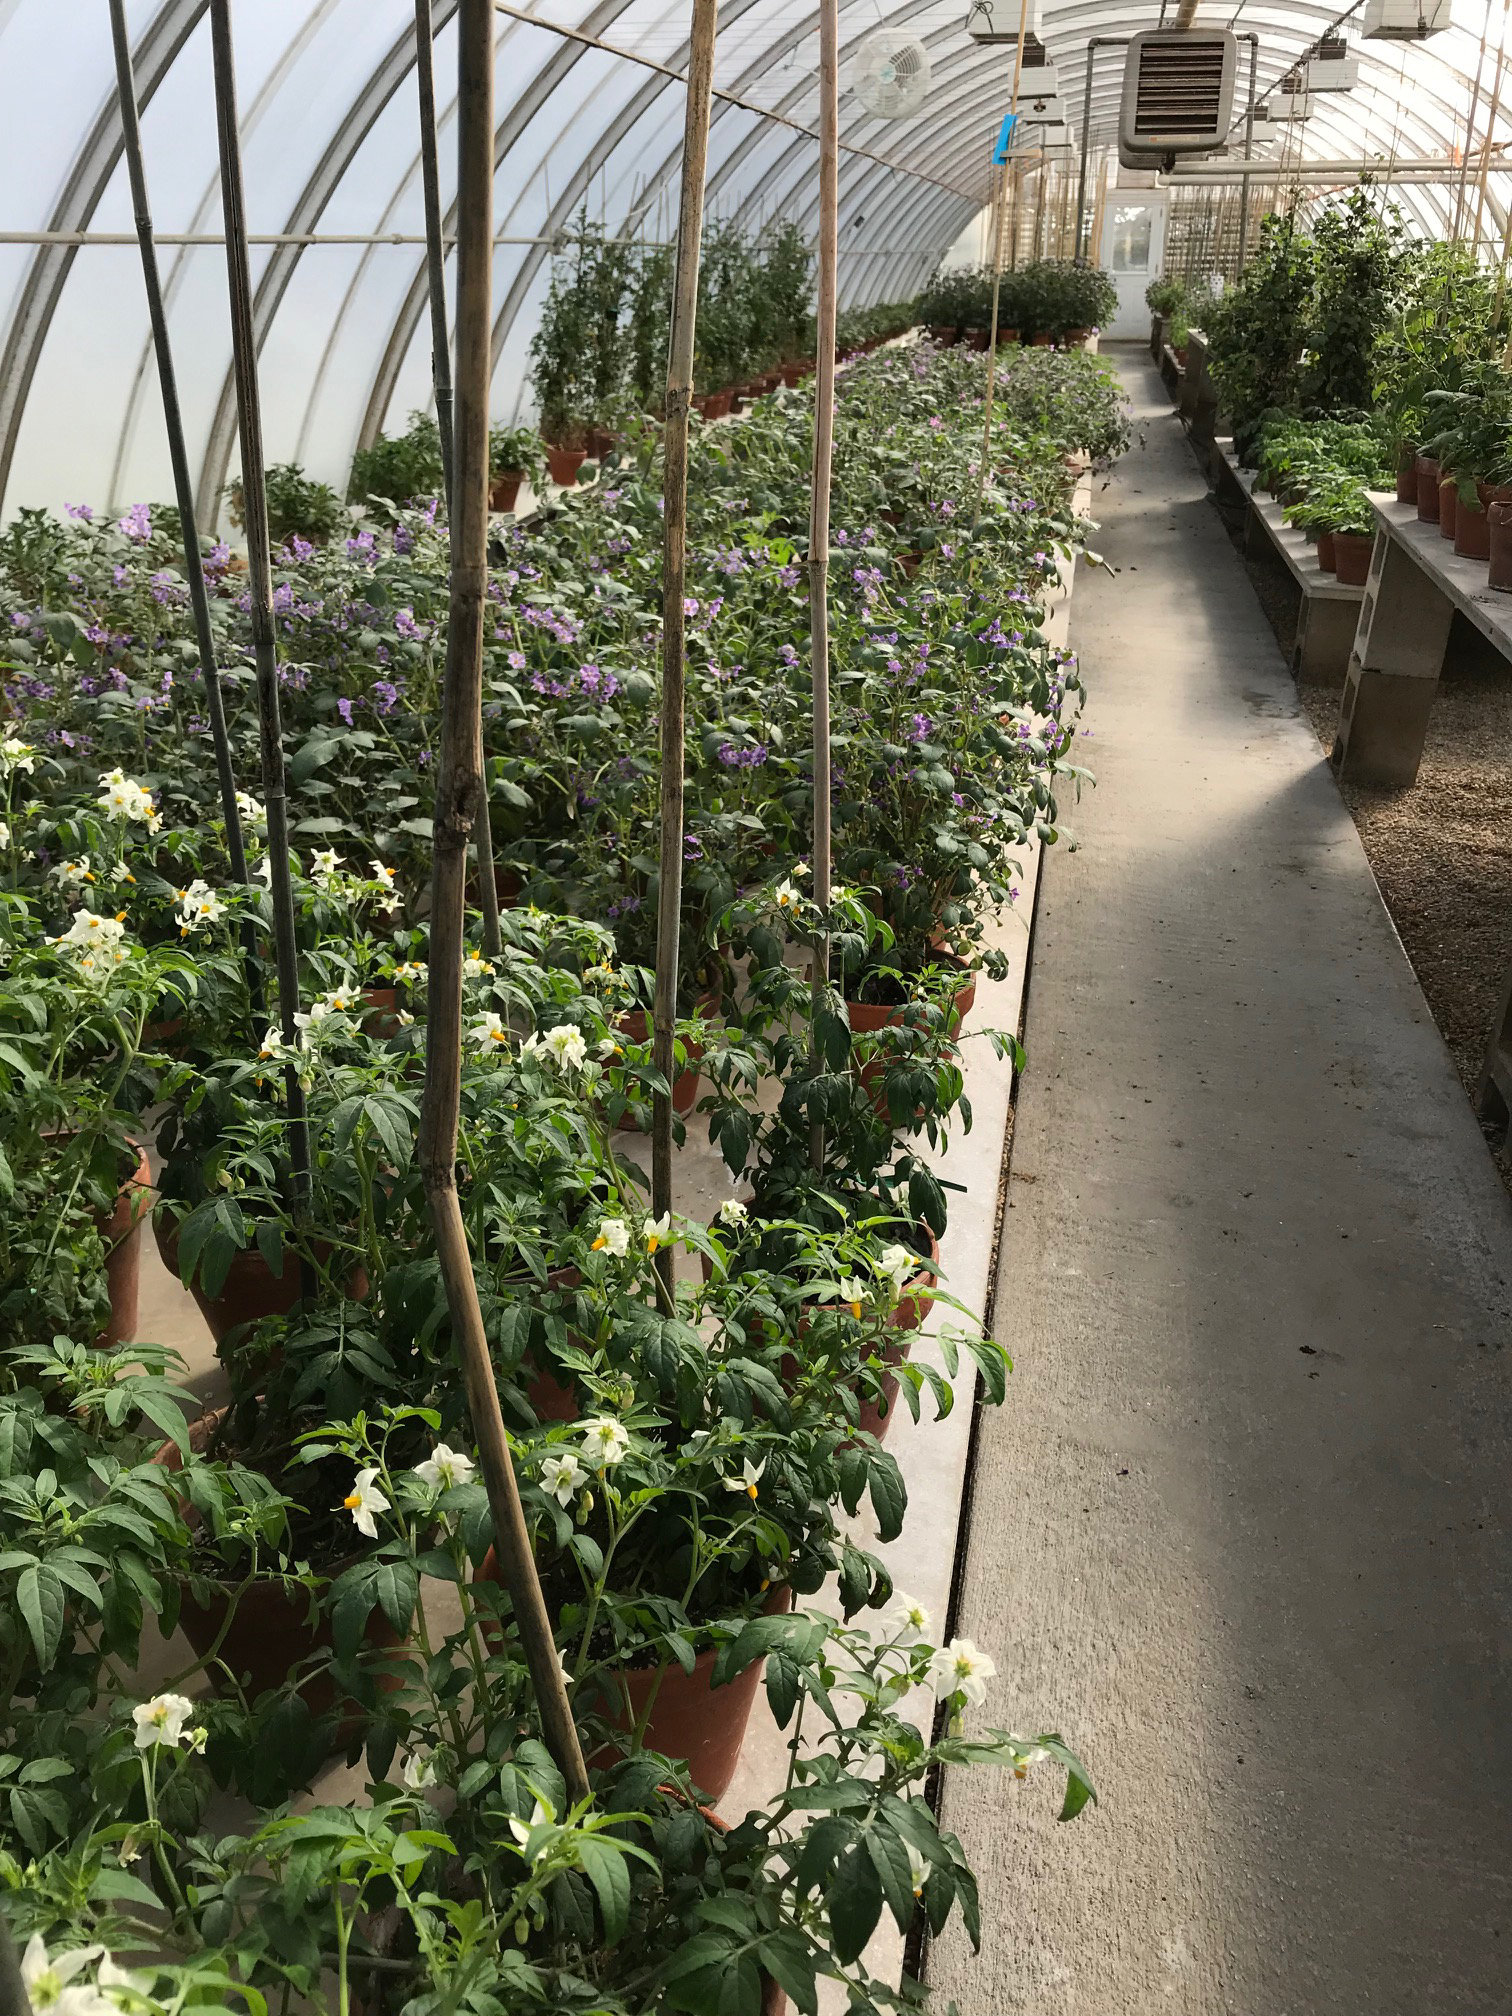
[
  {"x": 1404, "y": 20},
  {"x": 1293, "y": 99},
  {"x": 998, "y": 21},
  {"x": 1332, "y": 67},
  {"x": 1262, "y": 127},
  {"x": 1039, "y": 75},
  {"x": 1042, "y": 111},
  {"x": 1178, "y": 94}
]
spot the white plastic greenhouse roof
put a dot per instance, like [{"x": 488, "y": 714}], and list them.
[{"x": 327, "y": 94}]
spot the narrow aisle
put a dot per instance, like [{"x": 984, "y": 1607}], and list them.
[{"x": 1240, "y": 1531}]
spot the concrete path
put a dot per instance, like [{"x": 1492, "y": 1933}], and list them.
[{"x": 1240, "y": 1532}]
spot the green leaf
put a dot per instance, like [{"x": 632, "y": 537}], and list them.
[
  {"x": 786, "y": 1957},
  {"x": 39, "y": 1595},
  {"x": 890, "y": 1859},
  {"x": 605, "y": 1869},
  {"x": 855, "y": 1903},
  {"x": 889, "y": 1494}
]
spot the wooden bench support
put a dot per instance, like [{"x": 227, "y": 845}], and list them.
[{"x": 1393, "y": 669}]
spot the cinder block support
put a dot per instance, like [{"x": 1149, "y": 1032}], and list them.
[
  {"x": 1325, "y": 638},
  {"x": 1393, "y": 670},
  {"x": 1494, "y": 1094}
]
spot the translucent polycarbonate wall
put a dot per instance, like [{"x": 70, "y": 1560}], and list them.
[{"x": 327, "y": 95}]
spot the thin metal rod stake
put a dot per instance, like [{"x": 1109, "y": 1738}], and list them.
[
  {"x": 458, "y": 789},
  {"x": 997, "y": 271},
  {"x": 435, "y": 251},
  {"x": 819, "y": 509},
  {"x": 173, "y": 422},
  {"x": 260, "y": 582},
  {"x": 674, "y": 570}
]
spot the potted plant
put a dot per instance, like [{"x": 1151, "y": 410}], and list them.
[
  {"x": 299, "y": 507},
  {"x": 514, "y": 457},
  {"x": 399, "y": 469}
]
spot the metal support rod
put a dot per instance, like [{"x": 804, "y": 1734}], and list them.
[
  {"x": 1249, "y": 147},
  {"x": 997, "y": 273},
  {"x": 674, "y": 569},
  {"x": 77, "y": 238},
  {"x": 435, "y": 251},
  {"x": 819, "y": 509},
  {"x": 458, "y": 789},
  {"x": 183, "y": 489},
  {"x": 1096, "y": 42},
  {"x": 260, "y": 585}
]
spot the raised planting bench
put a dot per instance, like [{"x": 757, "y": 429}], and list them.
[
  {"x": 1329, "y": 609},
  {"x": 1417, "y": 581}
]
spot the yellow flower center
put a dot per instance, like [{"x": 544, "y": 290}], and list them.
[
  {"x": 750, "y": 1490},
  {"x": 599, "y": 1244},
  {"x": 352, "y": 1500}
]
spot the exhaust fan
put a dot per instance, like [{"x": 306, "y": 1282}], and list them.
[{"x": 1178, "y": 94}]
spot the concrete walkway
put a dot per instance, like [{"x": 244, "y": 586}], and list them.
[{"x": 1240, "y": 1532}]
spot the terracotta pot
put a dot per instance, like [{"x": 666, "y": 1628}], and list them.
[
  {"x": 1499, "y": 531},
  {"x": 121, "y": 1229},
  {"x": 1448, "y": 509},
  {"x": 692, "y": 1721},
  {"x": 716, "y": 405},
  {"x": 503, "y": 491},
  {"x": 251, "y": 1289},
  {"x": 564, "y": 464},
  {"x": 1327, "y": 559},
  {"x": 1406, "y": 475},
  {"x": 1075, "y": 339},
  {"x": 943, "y": 332},
  {"x": 1041, "y": 342},
  {"x": 1472, "y": 532},
  {"x": 1007, "y": 336},
  {"x": 600, "y": 442},
  {"x": 380, "y": 1011},
  {"x": 271, "y": 1631},
  {"x": 979, "y": 338},
  {"x": 1352, "y": 551},
  {"x": 791, "y": 373},
  {"x": 1427, "y": 489}
]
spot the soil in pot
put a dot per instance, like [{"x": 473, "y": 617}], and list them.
[
  {"x": 1499, "y": 538},
  {"x": 1448, "y": 510},
  {"x": 1352, "y": 551},
  {"x": 1472, "y": 532},
  {"x": 1327, "y": 559},
  {"x": 251, "y": 1289},
  {"x": 270, "y": 1630},
  {"x": 1427, "y": 489},
  {"x": 692, "y": 1721},
  {"x": 504, "y": 491}
]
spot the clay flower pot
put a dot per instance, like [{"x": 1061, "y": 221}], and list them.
[
  {"x": 1352, "y": 551},
  {"x": 1406, "y": 475},
  {"x": 1007, "y": 336},
  {"x": 1499, "y": 539},
  {"x": 867, "y": 1017},
  {"x": 1327, "y": 559},
  {"x": 1427, "y": 489},
  {"x": 692, "y": 1721},
  {"x": 251, "y": 1289},
  {"x": 636, "y": 1028},
  {"x": 943, "y": 333},
  {"x": 1472, "y": 532},
  {"x": 121, "y": 1231},
  {"x": 1448, "y": 510},
  {"x": 564, "y": 464},
  {"x": 504, "y": 491}
]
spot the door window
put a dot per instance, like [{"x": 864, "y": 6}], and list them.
[{"x": 1130, "y": 248}]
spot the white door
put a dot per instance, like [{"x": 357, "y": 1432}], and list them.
[{"x": 1133, "y": 245}]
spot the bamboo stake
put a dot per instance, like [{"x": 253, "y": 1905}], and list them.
[
  {"x": 260, "y": 583},
  {"x": 674, "y": 571},
  {"x": 441, "y": 377},
  {"x": 997, "y": 269},
  {"x": 178, "y": 455},
  {"x": 819, "y": 507},
  {"x": 458, "y": 790}
]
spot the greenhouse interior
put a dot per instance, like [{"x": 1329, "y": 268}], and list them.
[{"x": 755, "y": 1007}]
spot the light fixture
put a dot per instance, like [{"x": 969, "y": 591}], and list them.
[
  {"x": 993, "y": 21},
  {"x": 1332, "y": 68},
  {"x": 1404, "y": 20}
]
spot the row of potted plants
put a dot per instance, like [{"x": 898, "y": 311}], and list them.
[
  {"x": 1323, "y": 471},
  {"x": 685, "y": 1458},
  {"x": 1044, "y": 301}
]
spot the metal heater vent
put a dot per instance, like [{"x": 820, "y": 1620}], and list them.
[{"x": 1178, "y": 94}]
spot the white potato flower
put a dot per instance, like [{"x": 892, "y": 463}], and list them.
[
  {"x": 50, "y": 1986},
  {"x": 786, "y": 896},
  {"x": 16, "y": 755},
  {"x": 198, "y": 904},
  {"x": 733, "y": 1212},
  {"x": 606, "y": 1441},
  {"x": 959, "y": 1668},
  {"x": 410, "y": 971},
  {"x": 163, "y": 1720},
  {"x": 444, "y": 1469},
  {"x": 364, "y": 1500},
  {"x": 488, "y": 1032},
  {"x": 613, "y": 1238},
  {"x": 476, "y": 967},
  {"x": 565, "y": 1046},
  {"x": 71, "y": 874},
  {"x": 383, "y": 876},
  {"x": 562, "y": 1477},
  {"x": 324, "y": 863},
  {"x": 898, "y": 1263},
  {"x": 253, "y": 812},
  {"x": 919, "y": 1867},
  {"x": 417, "y": 1772},
  {"x": 542, "y": 1815},
  {"x": 748, "y": 1480},
  {"x": 907, "y": 1619},
  {"x": 659, "y": 1232}
]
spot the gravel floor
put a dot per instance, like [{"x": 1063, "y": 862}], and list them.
[{"x": 1441, "y": 850}]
